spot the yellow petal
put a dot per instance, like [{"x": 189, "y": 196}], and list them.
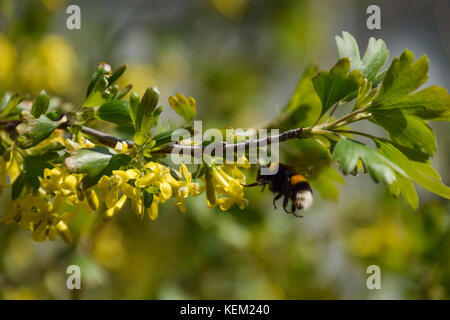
[
  {"x": 110, "y": 213},
  {"x": 152, "y": 212},
  {"x": 225, "y": 203},
  {"x": 138, "y": 208},
  {"x": 130, "y": 191},
  {"x": 111, "y": 197},
  {"x": 133, "y": 173},
  {"x": 119, "y": 205},
  {"x": 70, "y": 182},
  {"x": 187, "y": 175},
  {"x": 92, "y": 199},
  {"x": 145, "y": 181},
  {"x": 64, "y": 232},
  {"x": 166, "y": 190}
]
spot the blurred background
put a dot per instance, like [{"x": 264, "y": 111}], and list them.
[{"x": 241, "y": 60}]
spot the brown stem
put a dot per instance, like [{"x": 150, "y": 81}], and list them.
[
  {"x": 111, "y": 141},
  {"x": 287, "y": 135}
]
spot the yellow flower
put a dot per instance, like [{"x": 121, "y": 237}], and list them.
[
  {"x": 109, "y": 188},
  {"x": 157, "y": 176},
  {"x": 185, "y": 188},
  {"x": 152, "y": 212},
  {"x": 229, "y": 186},
  {"x": 38, "y": 211},
  {"x": 92, "y": 199},
  {"x": 113, "y": 211},
  {"x": 121, "y": 147}
]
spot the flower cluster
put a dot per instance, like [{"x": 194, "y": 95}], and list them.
[
  {"x": 46, "y": 211},
  {"x": 226, "y": 186},
  {"x": 146, "y": 188},
  {"x": 42, "y": 211}
]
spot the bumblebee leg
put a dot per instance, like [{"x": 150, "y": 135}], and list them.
[
  {"x": 278, "y": 196},
  {"x": 285, "y": 203},
  {"x": 258, "y": 183},
  {"x": 293, "y": 208}
]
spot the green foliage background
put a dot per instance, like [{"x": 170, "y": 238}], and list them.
[{"x": 240, "y": 59}]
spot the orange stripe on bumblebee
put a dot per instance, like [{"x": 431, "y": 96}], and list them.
[{"x": 296, "y": 179}]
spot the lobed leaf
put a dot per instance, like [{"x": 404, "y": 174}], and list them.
[
  {"x": 403, "y": 77},
  {"x": 432, "y": 103},
  {"x": 347, "y": 153},
  {"x": 337, "y": 84},
  {"x": 422, "y": 173},
  {"x": 406, "y": 130},
  {"x": 374, "y": 59}
]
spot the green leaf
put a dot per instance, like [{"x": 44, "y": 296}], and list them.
[
  {"x": 41, "y": 104},
  {"x": 304, "y": 107},
  {"x": 33, "y": 167},
  {"x": 422, "y": 173},
  {"x": 347, "y": 154},
  {"x": 406, "y": 130},
  {"x": 147, "y": 195},
  {"x": 403, "y": 77},
  {"x": 9, "y": 103},
  {"x": 148, "y": 198},
  {"x": 18, "y": 186},
  {"x": 432, "y": 103},
  {"x": 115, "y": 111},
  {"x": 374, "y": 59},
  {"x": 405, "y": 187},
  {"x": 95, "y": 162},
  {"x": 337, "y": 84},
  {"x": 32, "y": 131},
  {"x": 185, "y": 107}
]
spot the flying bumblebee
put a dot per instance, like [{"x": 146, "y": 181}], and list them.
[{"x": 288, "y": 183}]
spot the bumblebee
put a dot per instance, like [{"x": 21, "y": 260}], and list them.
[{"x": 288, "y": 183}]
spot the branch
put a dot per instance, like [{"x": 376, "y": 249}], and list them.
[
  {"x": 193, "y": 150},
  {"x": 111, "y": 141},
  {"x": 105, "y": 138}
]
